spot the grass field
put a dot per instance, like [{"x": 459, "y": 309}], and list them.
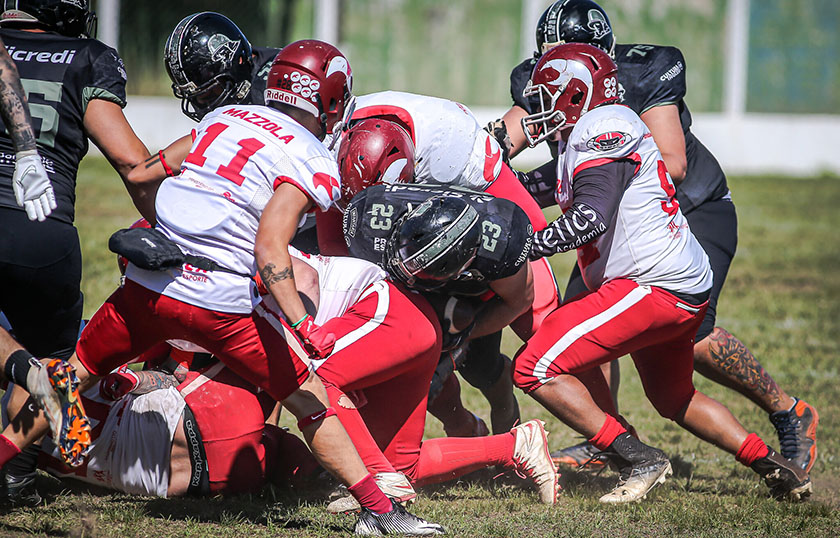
[{"x": 782, "y": 298}]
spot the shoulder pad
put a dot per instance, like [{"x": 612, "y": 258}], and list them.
[{"x": 611, "y": 131}]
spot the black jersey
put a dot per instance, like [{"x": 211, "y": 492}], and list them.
[
  {"x": 60, "y": 76},
  {"x": 649, "y": 76},
  {"x": 506, "y": 231},
  {"x": 263, "y": 58}
]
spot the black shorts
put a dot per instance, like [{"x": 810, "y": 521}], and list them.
[
  {"x": 40, "y": 278},
  {"x": 715, "y": 225}
]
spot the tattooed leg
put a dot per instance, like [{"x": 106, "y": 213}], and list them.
[{"x": 726, "y": 360}]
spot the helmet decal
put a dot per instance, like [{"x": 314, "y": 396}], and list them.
[
  {"x": 222, "y": 48},
  {"x": 338, "y": 64},
  {"x": 568, "y": 70},
  {"x": 392, "y": 173},
  {"x": 598, "y": 24}
]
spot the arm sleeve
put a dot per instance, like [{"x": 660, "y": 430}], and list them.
[{"x": 597, "y": 195}]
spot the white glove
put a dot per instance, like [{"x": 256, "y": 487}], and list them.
[{"x": 33, "y": 190}]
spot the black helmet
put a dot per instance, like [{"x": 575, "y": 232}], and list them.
[
  {"x": 209, "y": 61},
  {"x": 575, "y": 21},
  {"x": 433, "y": 243},
  {"x": 71, "y": 18}
]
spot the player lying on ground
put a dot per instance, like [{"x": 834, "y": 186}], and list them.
[
  {"x": 235, "y": 207},
  {"x": 158, "y": 433},
  {"x": 652, "y": 82},
  {"x": 398, "y": 136},
  {"x": 649, "y": 277}
]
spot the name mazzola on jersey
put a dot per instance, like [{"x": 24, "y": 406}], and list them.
[
  {"x": 20, "y": 55},
  {"x": 260, "y": 121}
]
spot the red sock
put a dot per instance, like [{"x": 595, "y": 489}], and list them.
[
  {"x": 370, "y": 496},
  {"x": 451, "y": 457},
  {"x": 366, "y": 446},
  {"x": 753, "y": 448},
  {"x": 8, "y": 450},
  {"x": 607, "y": 434}
]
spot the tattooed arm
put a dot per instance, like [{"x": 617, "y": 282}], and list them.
[
  {"x": 13, "y": 105},
  {"x": 149, "y": 380},
  {"x": 278, "y": 225},
  {"x": 31, "y": 185}
]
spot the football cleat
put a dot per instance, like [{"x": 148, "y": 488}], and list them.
[
  {"x": 530, "y": 454},
  {"x": 642, "y": 467},
  {"x": 784, "y": 477},
  {"x": 797, "y": 431},
  {"x": 579, "y": 456},
  {"x": 55, "y": 388},
  {"x": 394, "y": 485},
  {"x": 19, "y": 490},
  {"x": 397, "y": 521}
]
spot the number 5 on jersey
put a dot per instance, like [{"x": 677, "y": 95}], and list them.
[{"x": 230, "y": 171}]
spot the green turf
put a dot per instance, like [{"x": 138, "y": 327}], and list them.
[{"x": 781, "y": 299}]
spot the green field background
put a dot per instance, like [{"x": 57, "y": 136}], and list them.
[{"x": 464, "y": 50}]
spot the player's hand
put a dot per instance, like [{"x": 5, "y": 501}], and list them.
[
  {"x": 316, "y": 341},
  {"x": 498, "y": 130},
  {"x": 117, "y": 384},
  {"x": 33, "y": 190}
]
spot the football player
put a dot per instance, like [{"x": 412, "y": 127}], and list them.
[
  {"x": 76, "y": 88},
  {"x": 650, "y": 280},
  {"x": 388, "y": 342},
  {"x": 252, "y": 173},
  {"x": 211, "y": 63},
  {"x": 652, "y": 82},
  {"x": 440, "y": 142},
  {"x": 155, "y": 433}
]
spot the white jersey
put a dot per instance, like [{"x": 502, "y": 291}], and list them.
[
  {"x": 649, "y": 241},
  {"x": 240, "y": 155},
  {"x": 451, "y": 148},
  {"x": 342, "y": 282}
]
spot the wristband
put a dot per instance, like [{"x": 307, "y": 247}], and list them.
[
  {"x": 166, "y": 167},
  {"x": 296, "y": 324}
]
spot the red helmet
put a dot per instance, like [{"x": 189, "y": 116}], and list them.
[
  {"x": 371, "y": 152},
  {"x": 122, "y": 262},
  {"x": 313, "y": 76},
  {"x": 570, "y": 80}
]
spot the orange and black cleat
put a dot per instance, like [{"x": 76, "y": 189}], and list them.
[{"x": 56, "y": 390}]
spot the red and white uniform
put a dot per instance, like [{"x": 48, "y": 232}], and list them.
[
  {"x": 241, "y": 154},
  {"x": 450, "y": 146},
  {"x": 646, "y": 253},
  {"x": 132, "y": 437},
  {"x": 649, "y": 241}
]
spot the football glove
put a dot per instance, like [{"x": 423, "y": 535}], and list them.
[
  {"x": 117, "y": 384},
  {"x": 498, "y": 130},
  {"x": 33, "y": 190},
  {"x": 317, "y": 342}
]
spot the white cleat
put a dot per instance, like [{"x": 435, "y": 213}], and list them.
[
  {"x": 531, "y": 456},
  {"x": 637, "y": 481},
  {"x": 394, "y": 485}
]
